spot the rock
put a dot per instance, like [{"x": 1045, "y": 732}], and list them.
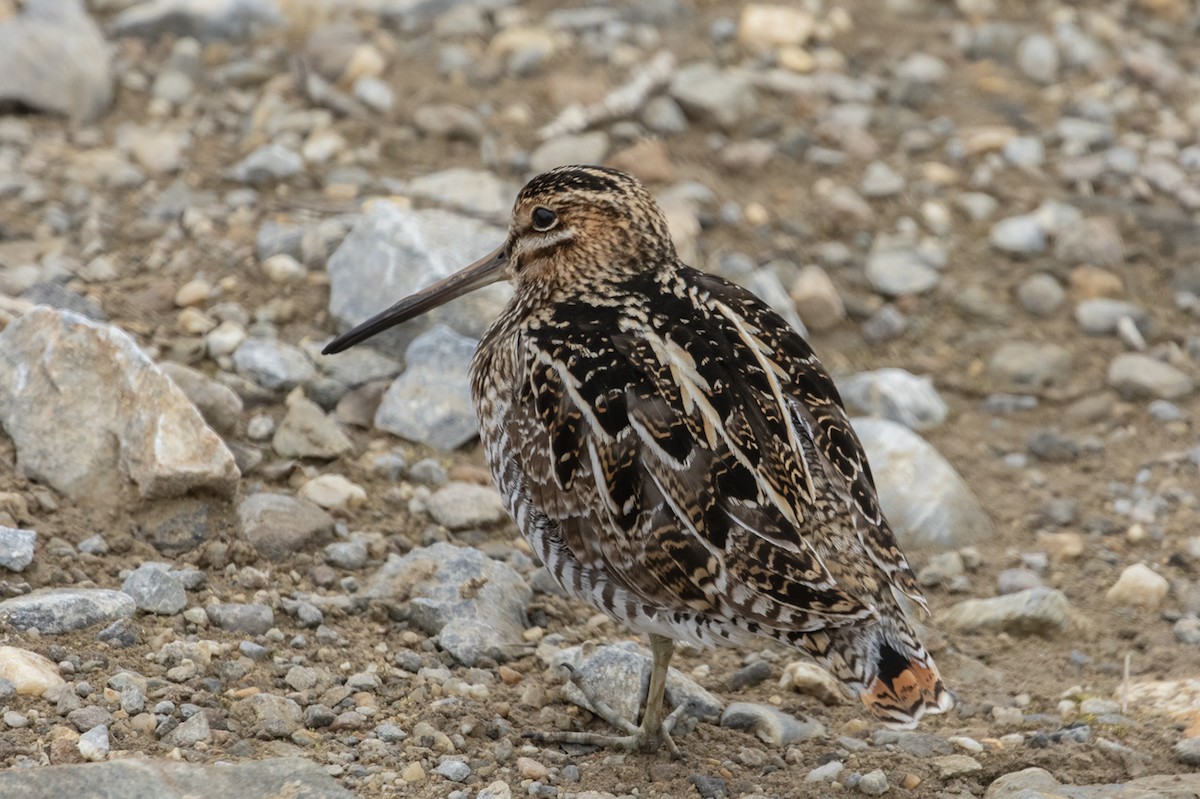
[
  {"x": 1023, "y": 365},
  {"x": 1187, "y": 752},
  {"x": 1090, "y": 282},
  {"x": 712, "y": 95},
  {"x": 816, "y": 299},
  {"x": 874, "y": 783},
  {"x": 1011, "y": 581},
  {"x": 333, "y": 492},
  {"x": 1037, "y": 58},
  {"x": 949, "y": 767},
  {"x": 154, "y": 590},
  {"x": 374, "y": 94},
  {"x": 1040, "y": 295},
  {"x": 458, "y": 506},
  {"x": 267, "y": 715},
  {"x": 355, "y": 367},
  {"x": 663, "y": 116},
  {"x": 1100, "y": 316},
  {"x": 1037, "y": 783},
  {"x": 1137, "y": 376},
  {"x": 16, "y": 548},
  {"x": 826, "y": 773},
  {"x": 350, "y": 555},
  {"x": 770, "y": 724},
  {"x": 209, "y": 21},
  {"x": 880, "y": 180},
  {"x": 897, "y": 272},
  {"x": 453, "y": 770},
  {"x": 140, "y": 425},
  {"x": 770, "y": 26},
  {"x": 273, "y": 364},
  {"x": 1018, "y": 235},
  {"x": 392, "y": 252},
  {"x": 896, "y": 395},
  {"x": 1094, "y": 242},
  {"x": 1037, "y": 611},
  {"x": 29, "y": 673},
  {"x": 1139, "y": 585},
  {"x": 220, "y": 405},
  {"x": 241, "y": 618},
  {"x": 473, "y": 191},
  {"x": 809, "y": 678},
  {"x": 475, "y": 605},
  {"x": 93, "y": 744},
  {"x": 53, "y": 58},
  {"x": 278, "y": 525},
  {"x": 580, "y": 148},
  {"x": 926, "y": 502},
  {"x": 62, "y": 610},
  {"x": 308, "y": 432},
  {"x": 449, "y": 121},
  {"x": 430, "y": 402},
  {"x": 183, "y": 526},
  {"x": 611, "y": 671},
  {"x": 268, "y": 164},
  {"x": 190, "y": 732}
]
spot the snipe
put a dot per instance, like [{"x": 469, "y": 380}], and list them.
[{"x": 675, "y": 453}]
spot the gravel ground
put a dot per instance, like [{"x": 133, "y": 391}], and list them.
[{"x": 229, "y": 564}]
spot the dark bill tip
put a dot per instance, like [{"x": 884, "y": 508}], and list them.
[{"x": 485, "y": 271}]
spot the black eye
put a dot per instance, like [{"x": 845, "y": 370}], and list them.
[{"x": 543, "y": 219}]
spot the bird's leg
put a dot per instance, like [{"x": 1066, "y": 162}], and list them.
[{"x": 655, "y": 730}]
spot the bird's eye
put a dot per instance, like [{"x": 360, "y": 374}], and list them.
[{"x": 543, "y": 219}]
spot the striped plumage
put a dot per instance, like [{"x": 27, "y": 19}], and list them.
[{"x": 674, "y": 451}]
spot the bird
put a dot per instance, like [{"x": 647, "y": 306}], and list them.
[{"x": 677, "y": 456}]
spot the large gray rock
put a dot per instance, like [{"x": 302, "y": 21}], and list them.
[
  {"x": 925, "y": 500},
  {"x": 431, "y": 401},
  {"x": 620, "y": 675},
  {"x": 393, "y": 252},
  {"x": 146, "y": 778},
  {"x": 1037, "y": 783},
  {"x": 896, "y": 395},
  {"x": 53, "y": 58},
  {"x": 63, "y": 610},
  {"x": 1035, "y": 611},
  {"x": 87, "y": 409},
  {"x": 207, "y": 21},
  {"x": 475, "y": 605}
]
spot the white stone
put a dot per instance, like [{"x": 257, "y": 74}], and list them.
[
  {"x": 31, "y": 673},
  {"x": 333, "y": 492},
  {"x": 1139, "y": 585},
  {"x": 283, "y": 268}
]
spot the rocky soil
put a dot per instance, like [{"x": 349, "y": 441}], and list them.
[{"x": 231, "y": 565}]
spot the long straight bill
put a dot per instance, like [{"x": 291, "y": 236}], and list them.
[{"x": 484, "y": 272}]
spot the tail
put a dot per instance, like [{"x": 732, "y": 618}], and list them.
[{"x": 886, "y": 667}]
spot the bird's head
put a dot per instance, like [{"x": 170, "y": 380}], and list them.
[{"x": 571, "y": 226}]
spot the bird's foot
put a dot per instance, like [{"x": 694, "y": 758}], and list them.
[
  {"x": 654, "y": 733},
  {"x": 636, "y": 739}
]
